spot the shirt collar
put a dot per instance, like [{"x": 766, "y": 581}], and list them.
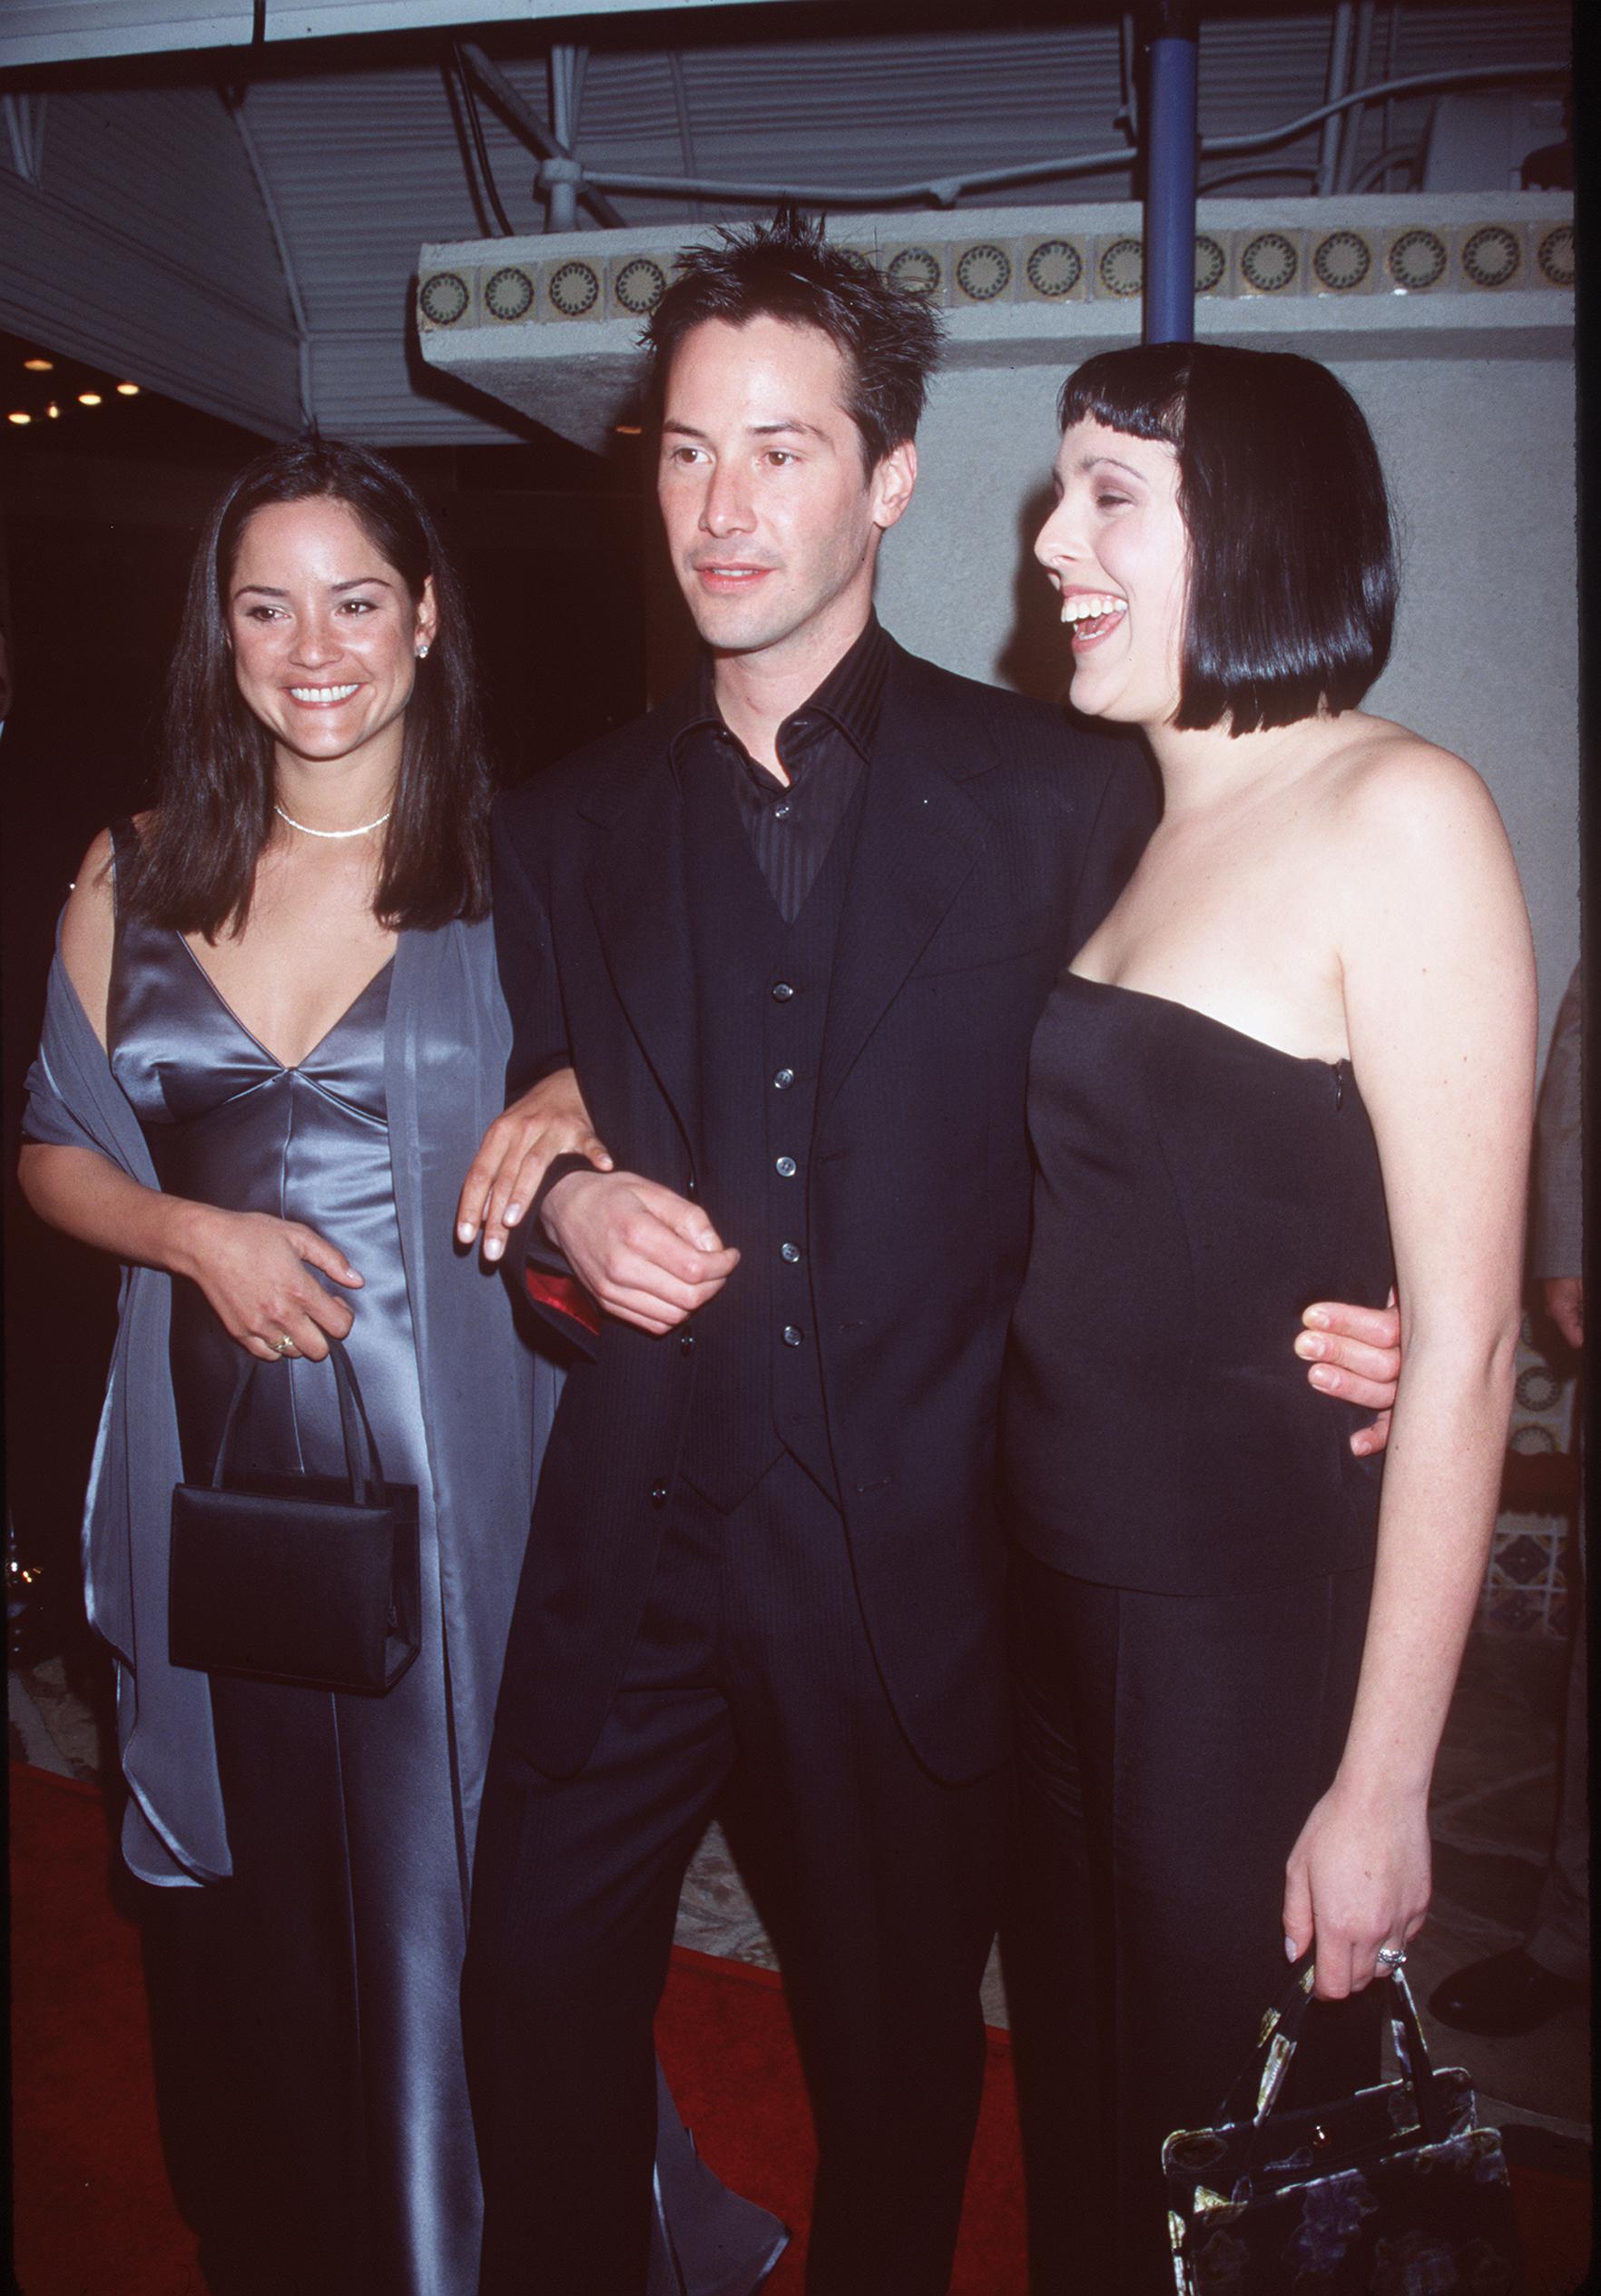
[{"x": 851, "y": 697}]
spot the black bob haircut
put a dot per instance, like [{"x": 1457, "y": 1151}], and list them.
[
  {"x": 197, "y": 861},
  {"x": 787, "y": 270},
  {"x": 1292, "y": 565}
]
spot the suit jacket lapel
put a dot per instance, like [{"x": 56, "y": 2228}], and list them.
[
  {"x": 638, "y": 892},
  {"x": 917, "y": 839}
]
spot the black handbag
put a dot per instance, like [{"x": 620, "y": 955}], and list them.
[
  {"x": 1391, "y": 2192},
  {"x": 291, "y": 1578}
]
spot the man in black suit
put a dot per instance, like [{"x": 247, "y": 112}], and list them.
[{"x": 793, "y": 931}]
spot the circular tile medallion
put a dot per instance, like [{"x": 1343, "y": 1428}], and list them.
[
  {"x": 1055, "y": 266},
  {"x": 1554, "y": 255},
  {"x": 444, "y": 298},
  {"x": 1341, "y": 262},
  {"x": 639, "y": 285},
  {"x": 574, "y": 289},
  {"x": 1491, "y": 256},
  {"x": 508, "y": 293},
  {"x": 1211, "y": 264},
  {"x": 1269, "y": 262},
  {"x": 984, "y": 271},
  {"x": 1529, "y": 1437},
  {"x": 1417, "y": 257},
  {"x": 1538, "y": 1388},
  {"x": 1123, "y": 267},
  {"x": 917, "y": 270}
]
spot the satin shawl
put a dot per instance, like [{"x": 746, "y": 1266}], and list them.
[{"x": 487, "y": 1400}]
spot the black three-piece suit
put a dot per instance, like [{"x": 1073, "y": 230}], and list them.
[{"x": 770, "y": 1538}]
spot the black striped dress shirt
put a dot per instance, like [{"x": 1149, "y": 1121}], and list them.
[{"x": 823, "y": 747}]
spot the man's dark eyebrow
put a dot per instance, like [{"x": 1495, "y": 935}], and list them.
[{"x": 757, "y": 430}]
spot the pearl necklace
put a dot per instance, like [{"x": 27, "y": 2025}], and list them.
[{"x": 305, "y": 832}]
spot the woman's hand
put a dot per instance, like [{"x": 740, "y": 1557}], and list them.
[
  {"x": 503, "y": 1178},
  {"x": 256, "y": 1273},
  {"x": 1358, "y": 1878}
]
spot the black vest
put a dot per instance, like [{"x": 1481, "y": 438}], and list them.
[{"x": 761, "y": 993}]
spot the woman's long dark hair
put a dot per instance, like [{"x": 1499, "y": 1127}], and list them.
[{"x": 197, "y": 864}]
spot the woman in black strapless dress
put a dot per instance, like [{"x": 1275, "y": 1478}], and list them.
[
  {"x": 274, "y": 1042},
  {"x": 1294, "y": 1063}
]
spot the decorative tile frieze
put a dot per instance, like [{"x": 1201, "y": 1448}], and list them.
[
  {"x": 1344, "y": 261},
  {"x": 922, "y": 268},
  {"x": 1055, "y": 270},
  {"x": 1417, "y": 258},
  {"x": 1490, "y": 255},
  {"x": 1269, "y": 262},
  {"x": 984, "y": 271},
  {"x": 1120, "y": 267},
  {"x": 1277, "y": 257},
  {"x": 508, "y": 296},
  {"x": 572, "y": 288}
]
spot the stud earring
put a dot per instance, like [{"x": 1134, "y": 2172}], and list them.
[{"x": 422, "y": 652}]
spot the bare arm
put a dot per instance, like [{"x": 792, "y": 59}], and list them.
[
  {"x": 551, "y": 1119},
  {"x": 1440, "y": 1009},
  {"x": 256, "y": 1272}
]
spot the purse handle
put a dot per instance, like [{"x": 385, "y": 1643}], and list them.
[
  {"x": 1276, "y": 2043},
  {"x": 354, "y": 1424}
]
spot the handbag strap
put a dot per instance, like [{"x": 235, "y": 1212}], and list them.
[
  {"x": 1255, "y": 2092},
  {"x": 362, "y": 1464}
]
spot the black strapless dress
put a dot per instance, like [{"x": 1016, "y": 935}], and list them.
[
  {"x": 305, "y": 2012},
  {"x": 1191, "y": 1584}
]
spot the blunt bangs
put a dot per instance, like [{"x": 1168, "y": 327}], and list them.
[{"x": 1293, "y": 580}]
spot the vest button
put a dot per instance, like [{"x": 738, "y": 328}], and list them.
[
  {"x": 785, "y": 1167},
  {"x": 782, "y": 1079},
  {"x": 686, "y": 1346},
  {"x": 781, "y": 991},
  {"x": 658, "y": 1494},
  {"x": 794, "y": 1335},
  {"x": 791, "y": 1252},
  {"x": 781, "y": 813}
]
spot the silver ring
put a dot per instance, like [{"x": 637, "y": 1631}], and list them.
[
  {"x": 283, "y": 1344},
  {"x": 1390, "y": 1956}
]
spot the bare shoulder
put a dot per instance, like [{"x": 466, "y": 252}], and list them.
[
  {"x": 88, "y": 928},
  {"x": 1393, "y": 788}
]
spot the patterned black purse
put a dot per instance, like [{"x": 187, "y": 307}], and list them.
[
  {"x": 302, "y": 1579},
  {"x": 1391, "y": 2192}
]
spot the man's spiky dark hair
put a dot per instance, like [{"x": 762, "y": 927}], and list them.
[{"x": 787, "y": 270}]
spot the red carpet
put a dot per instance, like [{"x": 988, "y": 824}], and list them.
[{"x": 92, "y": 2211}]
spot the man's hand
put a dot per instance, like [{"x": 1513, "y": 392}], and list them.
[
  {"x": 1564, "y": 1304},
  {"x": 503, "y": 1178},
  {"x": 644, "y": 1254},
  {"x": 1355, "y": 1356}
]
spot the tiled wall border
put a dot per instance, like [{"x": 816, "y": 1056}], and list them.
[{"x": 1490, "y": 256}]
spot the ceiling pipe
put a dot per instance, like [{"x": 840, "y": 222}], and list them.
[
  {"x": 523, "y": 117},
  {"x": 1339, "y": 84},
  {"x": 1171, "y": 144}
]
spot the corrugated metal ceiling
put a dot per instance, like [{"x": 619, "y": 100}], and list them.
[{"x": 361, "y": 155}]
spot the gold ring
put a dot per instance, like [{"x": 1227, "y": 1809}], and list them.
[{"x": 283, "y": 1344}]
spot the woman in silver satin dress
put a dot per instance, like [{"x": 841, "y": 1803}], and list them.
[{"x": 274, "y": 1041}]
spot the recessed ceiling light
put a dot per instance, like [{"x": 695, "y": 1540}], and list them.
[
  {"x": 19, "y": 417},
  {"x": 88, "y": 398},
  {"x": 127, "y": 391},
  {"x": 39, "y": 366},
  {"x": 54, "y": 412}
]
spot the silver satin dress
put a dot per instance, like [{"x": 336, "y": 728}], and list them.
[{"x": 305, "y": 2012}]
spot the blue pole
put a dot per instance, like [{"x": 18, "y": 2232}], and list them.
[{"x": 1171, "y": 135}]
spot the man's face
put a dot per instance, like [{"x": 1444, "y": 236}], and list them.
[{"x": 772, "y": 520}]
